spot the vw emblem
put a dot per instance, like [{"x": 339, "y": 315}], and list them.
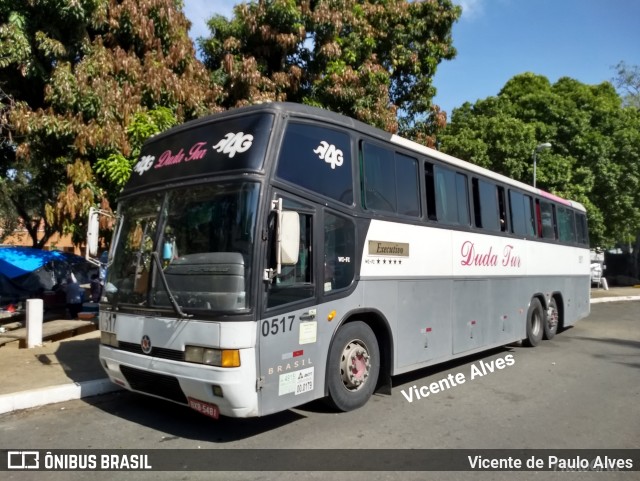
[{"x": 145, "y": 344}]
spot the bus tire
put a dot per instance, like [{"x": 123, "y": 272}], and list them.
[
  {"x": 551, "y": 319},
  {"x": 353, "y": 368},
  {"x": 535, "y": 323}
]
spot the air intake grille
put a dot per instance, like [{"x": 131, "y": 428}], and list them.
[
  {"x": 156, "y": 384},
  {"x": 159, "y": 352}
]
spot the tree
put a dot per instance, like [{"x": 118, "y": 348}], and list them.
[
  {"x": 78, "y": 73},
  {"x": 116, "y": 168},
  {"x": 628, "y": 80},
  {"x": 371, "y": 60},
  {"x": 595, "y": 154}
]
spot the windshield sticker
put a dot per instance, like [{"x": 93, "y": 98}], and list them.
[
  {"x": 144, "y": 164},
  {"x": 234, "y": 143},
  {"x": 167, "y": 158},
  {"x": 308, "y": 332},
  {"x": 330, "y": 154}
]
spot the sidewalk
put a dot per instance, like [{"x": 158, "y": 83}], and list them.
[
  {"x": 66, "y": 369},
  {"x": 57, "y": 371}
]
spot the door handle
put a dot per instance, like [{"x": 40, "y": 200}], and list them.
[{"x": 308, "y": 316}]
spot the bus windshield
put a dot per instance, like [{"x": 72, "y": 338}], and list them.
[{"x": 203, "y": 237}]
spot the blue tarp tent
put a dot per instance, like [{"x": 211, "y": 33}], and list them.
[
  {"x": 17, "y": 261},
  {"x": 26, "y": 272}
]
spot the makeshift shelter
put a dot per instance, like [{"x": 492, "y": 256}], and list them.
[{"x": 27, "y": 272}]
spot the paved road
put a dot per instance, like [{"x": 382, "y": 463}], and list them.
[{"x": 579, "y": 390}]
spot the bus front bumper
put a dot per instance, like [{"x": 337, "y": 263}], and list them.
[{"x": 232, "y": 390}]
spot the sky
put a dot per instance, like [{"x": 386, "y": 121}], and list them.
[{"x": 498, "y": 39}]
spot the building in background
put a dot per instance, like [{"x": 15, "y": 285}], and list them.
[{"x": 21, "y": 238}]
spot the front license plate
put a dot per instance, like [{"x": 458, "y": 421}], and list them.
[{"x": 207, "y": 409}]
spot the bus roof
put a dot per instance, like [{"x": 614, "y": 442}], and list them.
[{"x": 306, "y": 111}]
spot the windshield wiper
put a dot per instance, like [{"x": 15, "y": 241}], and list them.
[{"x": 172, "y": 300}]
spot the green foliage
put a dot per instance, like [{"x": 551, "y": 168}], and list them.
[
  {"x": 84, "y": 82},
  {"x": 146, "y": 124},
  {"x": 116, "y": 168},
  {"x": 372, "y": 60},
  {"x": 595, "y": 154}
]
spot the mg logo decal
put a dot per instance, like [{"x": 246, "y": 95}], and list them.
[
  {"x": 330, "y": 154},
  {"x": 234, "y": 143},
  {"x": 144, "y": 164},
  {"x": 145, "y": 344}
]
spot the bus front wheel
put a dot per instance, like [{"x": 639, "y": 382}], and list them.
[
  {"x": 535, "y": 323},
  {"x": 354, "y": 365}
]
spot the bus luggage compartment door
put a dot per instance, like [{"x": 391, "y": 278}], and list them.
[{"x": 471, "y": 307}]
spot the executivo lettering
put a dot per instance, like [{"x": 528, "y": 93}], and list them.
[{"x": 381, "y": 248}]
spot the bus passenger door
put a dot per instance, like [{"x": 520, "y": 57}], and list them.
[{"x": 288, "y": 365}]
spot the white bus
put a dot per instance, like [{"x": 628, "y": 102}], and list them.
[{"x": 271, "y": 255}]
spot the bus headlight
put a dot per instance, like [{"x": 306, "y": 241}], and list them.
[{"x": 212, "y": 357}]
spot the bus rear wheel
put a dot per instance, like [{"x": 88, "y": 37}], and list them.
[
  {"x": 551, "y": 320},
  {"x": 354, "y": 365},
  {"x": 535, "y": 323}
]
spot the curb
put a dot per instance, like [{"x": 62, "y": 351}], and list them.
[
  {"x": 599, "y": 300},
  {"x": 55, "y": 394}
]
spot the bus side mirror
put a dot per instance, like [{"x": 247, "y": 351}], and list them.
[
  {"x": 287, "y": 231},
  {"x": 93, "y": 234},
  {"x": 289, "y": 238}
]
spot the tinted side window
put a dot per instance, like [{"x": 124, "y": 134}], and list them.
[
  {"x": 522, "y": 220},
  {"x": 318, "y": 159},
  {"x": 462, "y": 194},
  {"x": 379, "y": 178},
  {"x": 390, "y": 181},
  {"x": 450, "y": 196},
  {"x": 295, "y": 283},
  {"x": 547, "y": 220},
  {"x": 407, "y": 185},
  {"x": 581, "y": 225},
  {"x": 485, "y": 197},
  {"x": 529, "y": 217},
  {"x": 566, "y": 225},
  {"x": 339, "y": 252}
]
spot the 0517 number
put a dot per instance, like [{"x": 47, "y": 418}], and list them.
[{"x": 278, "y": 325}]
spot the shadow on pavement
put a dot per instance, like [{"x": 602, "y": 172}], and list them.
[
  {"x": 180, "y": 422},
  {"x": 78, "y": 359}
]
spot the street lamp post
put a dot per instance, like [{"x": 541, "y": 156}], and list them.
[{"x": 540, "y": 147}]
